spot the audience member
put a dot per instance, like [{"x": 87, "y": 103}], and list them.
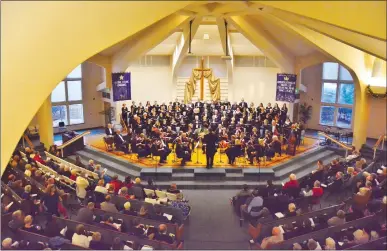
[
  {"x": 91, "y": 165},
  {"x": 244, "y": 192},
  {"x": 291, "y": 210},
  {"x": 78, "y": 162},
  {"x": 107, "y": 222},
  {"x": 143, "y": 212},
  {"x": 330, "y": 244},
  {"x": 162, "y": 235},
  {"x": 151, "y": 185},
  {"x": 82, "y": 183},
  {"x": 127, "y": 209},
  {"x": 27, "y": 193},
  {"x": 276, "y": 237},
  {"x": 108, "y": 206},
  {"x": 313, "y": 245},
  {"x": 173, "y": 189},
  {"x": 52, "y": 228},
  {"x": 6, "y": 244},
  {"x": 85, "y": 214},
  {"x": 360, "y": 237},
  {"x": 38, "y": 158},
  {"x": 51, "y": 200},
  {"x": 17, "y": 220},
  {"x": 73, "y": 175},
  {"x": 253, "y": 205},
  {"x": 337, "y": 220},
  {"x": 297, "y": 246},
  {"x": 116, "y": 183},
  {"x": 28, "y": 226},
  {"x": 96, "y": 243},
  {"x": 80, "y": 237},
  {"x": 100, "y": 188},
  {"x": 128, "y": 183},
  {"x": 159, "y": 215}
]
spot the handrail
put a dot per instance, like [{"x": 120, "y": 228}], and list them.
[
  {"x": 381, "y": 139},
  {"x": 72, "y": 166},
  {"x": 336, "y": 142},
  {"x": 123, "y": 122},
  {"x": 73, "y": 140},
  {"x": 28, "y": 141}
]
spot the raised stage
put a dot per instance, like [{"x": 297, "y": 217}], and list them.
[
  {"x": 196, "y": 176},
  {"x": 198, "y": 157}
]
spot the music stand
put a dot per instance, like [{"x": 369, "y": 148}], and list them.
[{"x": 197, "y": 153}]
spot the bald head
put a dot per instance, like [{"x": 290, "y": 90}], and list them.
[
  {"x": 163, "y": 228},
  {"x": 276, "y": 231}
]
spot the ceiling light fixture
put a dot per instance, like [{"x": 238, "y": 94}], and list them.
[{"x": 206, "y": 36}]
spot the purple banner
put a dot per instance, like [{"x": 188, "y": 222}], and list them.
[
  {"x": 286, "y": 87},
  {"x": 121, "y": 86}
]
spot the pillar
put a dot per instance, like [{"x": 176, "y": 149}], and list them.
[
  {"x": 361, "y": 115},
  {"x": 44, "y": 117}
]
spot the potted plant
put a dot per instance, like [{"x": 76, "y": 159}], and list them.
[{"x": 305, "y": 112}]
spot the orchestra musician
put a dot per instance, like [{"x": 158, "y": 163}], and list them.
[
  {"x": 109, "y": 130},
  {"x": 183, "y": 151},
  {"x": 246, "y": 125},
  {"x": 124, "y": 113},
  {"x": 120, "y": 142},
  {"x": 159, "y": 148}
]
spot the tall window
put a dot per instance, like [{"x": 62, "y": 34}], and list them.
[
  {"x": 66, "y": 99},
  {"x": 337, "y": 96}
]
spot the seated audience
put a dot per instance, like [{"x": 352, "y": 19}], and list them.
[
  {"x": 143, "y": 212},
  {"x": 173, "y": 189},
  {"x": 128, "y": 183},
  {"x": 96, "y": 243},
  {"x": 159, "y": 215},
  {"x": 28, "y": 226},
  {"x": 275, "y": 238},
  {"x": 253, "y": 205},
  {"x": 91, "y": 165},
  {"x": 85, "y": 214},
  {"x": 17, "y": 220},
  {"x": 8, "y": 244},
  {"x": 27, "y": 193},
  {"x": 127, "y": 209},
  {"x": 108, "y": 206},
  {"x": 313, "y": 245},
  {"x": 80, "y": 237},
  {"x": 151, "y": 185},
  {"x": 100, "y": 187},
  {"x": 66, "y": 172},
  {"x": 360, "y": 237},
  {"x": 116, "y": 183},
  {"x": 38, "y": 158},
  {"x": 162, "y": 235},
  {"x": 124, "y": 193},
  {"x": 98, "y": 170},
  {"x": 339, "y": 219},
  {"x": 73, "y": 175},
  {"x": 182, "y": 204},
  {"x": 291, "y": 210},
  {"x": 297, "y": 246},
  {"x": 108, "y": 223},
  {"x": 137, "y": 228}
]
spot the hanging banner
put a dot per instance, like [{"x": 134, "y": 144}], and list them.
[
  {"x": 286, "y": 87},
  {"x": 121, "y": 86}
]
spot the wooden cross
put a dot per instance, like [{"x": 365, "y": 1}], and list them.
[{"x": 202, "y": 70}]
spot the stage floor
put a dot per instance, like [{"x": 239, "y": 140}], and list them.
[{"x": 198, "y": 158}]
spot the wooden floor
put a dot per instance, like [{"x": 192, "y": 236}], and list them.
[{"x": 198, "y": 158}]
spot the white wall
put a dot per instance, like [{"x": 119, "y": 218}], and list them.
[
  {"x": 254, "y": 84},
  {"x": 149, "y": 84}
]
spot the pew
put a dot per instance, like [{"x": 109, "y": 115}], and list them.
[
  {"x": 28, "y": 236},
  {"x": 136, "y": 206},
  {"x": 108, "y": 236},
  {"x": 329, "y": 232},
  {"x": 127, "y": 219},
  {"x": 267, "y": 227},
  {"x": 379, "y": 244},
  {"x": 72, "y": 166}
]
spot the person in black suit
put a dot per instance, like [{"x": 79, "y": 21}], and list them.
[
  {"x": 162, "y": 235},
  {"x": 124, "y": 114},
  {"x": 210, "y": 140},
  {"x": 120, "y": 142},
  {"x": 109, "y": 130}
]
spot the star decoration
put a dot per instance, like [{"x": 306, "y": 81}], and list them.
[{"x": 121, "y": 77}]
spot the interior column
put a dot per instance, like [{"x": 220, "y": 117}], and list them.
[
  {"x": 361, "y": 116},
  {"x": 44, "y": 117}
]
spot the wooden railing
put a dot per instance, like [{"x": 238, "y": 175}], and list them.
[
  {"x": 61, "y": 147},
  {"x": 342, "y": 145},
  {"x": 29, "y": 142},
  {"x": 381, "y": 140}
]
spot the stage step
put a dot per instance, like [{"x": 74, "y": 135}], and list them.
[{"x": 212, "y": 184}]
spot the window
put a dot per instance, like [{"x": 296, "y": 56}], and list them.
[
  {"x": 337, "y": 96},
  {"x": 66, "y": 100}
]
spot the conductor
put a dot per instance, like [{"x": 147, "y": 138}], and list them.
[{"x": 210, "y": 140}]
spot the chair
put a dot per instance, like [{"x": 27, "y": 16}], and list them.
[
  {"x": 160, "y": 194},
  {"x": 171, "y": 196},
  {"x": 109, "y": 143},
  {"x": 138, "y": 193},
  {"x": 151, "y": 201},
  {"x": 149, "y": 192},
  {"x": 241, "y": 160}
]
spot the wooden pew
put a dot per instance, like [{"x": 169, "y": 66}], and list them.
[
  {"x": 380, "y": 244},
  {"x": 108, "y": 236},
  {"x": 72, "y": 166},
  {"x": 328, "y": 232},
  {"x": 28, "y": 236},
  {"x": 172, "y": 228},
  {"x": 136, "y": 205},
  {"x": 267, "y": 227}
]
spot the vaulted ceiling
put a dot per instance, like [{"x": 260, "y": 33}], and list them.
[{"x": 269, "y": 28}]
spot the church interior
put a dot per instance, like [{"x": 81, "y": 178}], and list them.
[{"x": 196, "y": 125}]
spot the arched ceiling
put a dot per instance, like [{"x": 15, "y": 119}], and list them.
[{"x": 43, "y": 40}]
